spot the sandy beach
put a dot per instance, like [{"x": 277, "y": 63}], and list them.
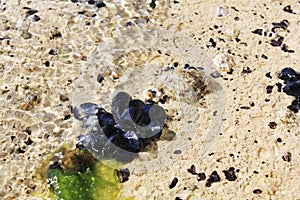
[{"x": 237, "y": 140}]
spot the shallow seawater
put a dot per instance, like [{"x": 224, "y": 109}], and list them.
[
  {"x": 143, "y": 57},
  {"x": 126, "y": 45}
]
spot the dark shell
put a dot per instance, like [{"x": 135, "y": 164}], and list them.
[
  {"x": 120, "y": 135},
  {"x": 292, "y": 88},
  {"x": 288, "y": 74},
  {"x": 123, "y": 175},
  {"x": 120, "y": 103},
  {"x": 136, "y": 110}
]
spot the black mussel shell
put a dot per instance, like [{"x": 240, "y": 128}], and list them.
[
  {"x": 136, "y": 110},
  {"x": 120, "y": 103},
  {"x": 146, "y": 117},
  {"x": 127, "y": 141},
  {"x": 157, "y": 113},
  {"x": 295, "y": 106},
  {"x": 292, "y": 88},
  {"x": 288, "y": 74},
  {"x": 106, "y": 119},
  {"x": 131, "y": 142},
  {"x": 107, "y": 123}
]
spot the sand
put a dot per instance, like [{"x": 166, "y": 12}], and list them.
[{"x": 50, "y": 60}]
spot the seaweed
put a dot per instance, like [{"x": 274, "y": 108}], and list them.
[{"x": 79, "y": 176}]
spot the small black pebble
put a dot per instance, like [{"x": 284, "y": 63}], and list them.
[
  {"x": 173, "y": 183},
  {"x": 47, "y": 63},
  {"x": 36, "y": 18},
  {"x": 258, "y": 31},
  {"x": 264, "y": 56},
  {"x": 279, "y": 87},
  {"x": 123, "y": 175},
  {"x": 52, "y": 52},
  {"x": 74, "y": 1},
  {"x": 277, "y": 41},
  {"x": 230, "y": 174},
  {"x": 287, "y": 157},
  {"x": 257, "y": 191},
  {"x": 12, "y": 138},
  {"x": 30, "y": 12},
  {"x": 100, "y": 78},
  {"x": 279, "y": 140},
  {"x": 100, "y": 4},
  {"x": 177, "y": 152},
  {"x": 201, "y": 177},
  {"x": 67, "y": 117},
  {"x": 91, "y": 2},
  {"x": 192, "y": 170},
  {"x": 272, "y": 125},
  {"x": 28, "y": 142},
  {"x": 19, "y": 150},
  {"x": 269, "y": 89},
  {"x": 288, "y": 9},
  {"x": 268, "y": 75},
  {"x": 56, "y": 35},
  {"x": 152, "y": 4},
  {"x": 214, "y": 177},
  {"x": 177, "y": 198}
]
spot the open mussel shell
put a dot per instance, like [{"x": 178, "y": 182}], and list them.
[
  {"x": 136, "y": 110},
  {"x": 128, "y": 141},
  {"x": 157, "y": 113},
  {"x": 120, "y": 103}
]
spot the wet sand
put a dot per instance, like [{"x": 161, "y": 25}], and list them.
[{"x": 50, "y": 60}]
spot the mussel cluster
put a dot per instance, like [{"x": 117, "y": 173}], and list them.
[
  {"x": 121, "y": 134},
  {"x": 292, "y": 86}
]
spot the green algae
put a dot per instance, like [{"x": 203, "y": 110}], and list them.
[
  {"x": 81, "y": 177},
  {"x": 89, "y": 184}
]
